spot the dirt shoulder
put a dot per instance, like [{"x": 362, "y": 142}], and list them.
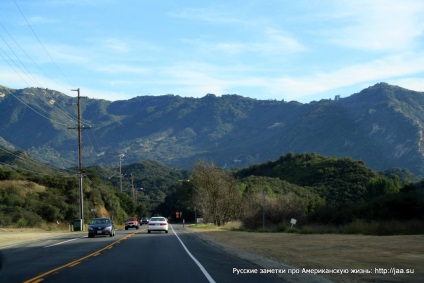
[
  {"x": 14, "y": 236},
  {"x": 369, "y": 256}
]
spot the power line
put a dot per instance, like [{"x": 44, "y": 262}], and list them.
[
  {"x": 27, "y": 72},
  {"x": 23, "y": 65},
  {"x": 28, "y": 160},
  {"x": 27, "y": 105},
  {"x": 11, "y": 65},
  {"x": 67, "y": 114},
  {"x": 28, "y": 56},
  {"x": 42, "y": 45}
]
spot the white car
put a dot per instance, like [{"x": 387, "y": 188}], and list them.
[{"x": 158, "y": 223}]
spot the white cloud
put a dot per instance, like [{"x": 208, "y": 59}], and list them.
[
  {"x": 270, "y": 42},
  {"x": 116, "y": 45},
  {"x": 36, "y": 20},
  {"x": 207, "y": 15},
  {"x": 389, "y": 68},
  {"x": 278, "y": 41},
  {"x": 120, "y": 69},
  {"x": 378, "y": 25},
  {"x": 413, "y": 83},
  {"x": 65, "y": 54}
]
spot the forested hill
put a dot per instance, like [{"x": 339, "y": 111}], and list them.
[
  {"x": 313, "y": 170},
  {"x": 381, "y": 125},
  {"x": 337, "y": 180}
]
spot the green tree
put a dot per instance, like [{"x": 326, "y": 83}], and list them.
[{"x": 382, "y": 185}]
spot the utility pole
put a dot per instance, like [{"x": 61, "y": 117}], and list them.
[
  {"x": 80, "y": 128},
  {"x": 120, "y": 168},
  {"x": 133, "y": 193},
  {"x": 263, "y": 210}
]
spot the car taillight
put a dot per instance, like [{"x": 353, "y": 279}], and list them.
[
  {"x": 151, "y": 224},
  {"x": 162, "y": 224}
]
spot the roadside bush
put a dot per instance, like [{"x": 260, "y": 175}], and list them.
[
  {"x": 277, "y": 211},
  {"x": 26, "y": 219},
  {"x": 5, "y": 220},
  {"x": 383, "y": 228},
  {"x": 319, "y": 229},
  {"x": 332, "y": 215},
  {"x": 50, "y": 213},
  {"x": 22, "y": 223}
]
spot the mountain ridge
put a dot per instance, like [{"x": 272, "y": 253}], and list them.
[{"x": 381, "y": 125}]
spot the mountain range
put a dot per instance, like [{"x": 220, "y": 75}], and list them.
[{"x": 382, "y": 126}]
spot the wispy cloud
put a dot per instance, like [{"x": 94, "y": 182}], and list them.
[
  {"x": 121, "y": 69},
  {"x": 270, "y": 42},
  {"x": 116, "y": 45},
  {"x": 268, "y": 49},
  {"x": 36, "y": 20},
  {"x": 278, "y": 41},
  {"x": 387, "y": 69},
  {"x": 198, "y": 79},
  {"x": 378, "y": 25},
  {"x": 211, "y": 15}
]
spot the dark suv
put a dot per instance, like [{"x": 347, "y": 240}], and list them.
[
  {"x": 144, "y": 220},
  {"x": 131, "y": 222}
]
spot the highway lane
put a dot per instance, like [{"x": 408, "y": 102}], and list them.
[
  {"x": 28, "y": 259},
  {"x": 130, "y": 256}
]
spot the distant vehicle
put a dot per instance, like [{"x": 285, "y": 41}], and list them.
[
  {"x": 144, "y": 220},
  {"x": 101, "y": 226},
  {"x": 158, "y": 224},
  {"x": 132, "y": 222}
]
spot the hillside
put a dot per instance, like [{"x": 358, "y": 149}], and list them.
[
  {"x": 309, "y": 187},
  {"x": 381, "y": 125},
  {"x": 32, "y": 193},
  {"x": 338, "y": 180}
]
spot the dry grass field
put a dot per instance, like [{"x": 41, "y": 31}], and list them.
[
  {"x": 335, "y": 251},
  {"x": 14, "y": 236}
]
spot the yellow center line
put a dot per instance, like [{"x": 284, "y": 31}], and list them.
[{"x": 39, "y": 278}]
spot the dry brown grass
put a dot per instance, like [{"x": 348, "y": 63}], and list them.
[
  {"x": 334, "y": 251},
  {"x": 25, "y": 187},
  {"x": 15, "y": 236}
]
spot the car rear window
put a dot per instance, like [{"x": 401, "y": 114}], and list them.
[
  {"x": 157, "y": 219},
  {"x": 100, "y": 221}
]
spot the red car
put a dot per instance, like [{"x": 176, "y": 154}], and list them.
[{"x": 132, "y": 222}]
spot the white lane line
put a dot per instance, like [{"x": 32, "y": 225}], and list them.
[
  {"x": 61, "y": 243},
  {"x": 210, "y": 279}
]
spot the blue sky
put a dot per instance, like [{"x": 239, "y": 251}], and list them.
[{"x": 283, "y": 49}]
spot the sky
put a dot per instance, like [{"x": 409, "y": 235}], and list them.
[{"x": 301, "y": 50}]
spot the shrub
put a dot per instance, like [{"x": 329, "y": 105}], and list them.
[
  {"x": 22, "y": 223},
  {"x": 382, "y": 228},
  {"x": 28, "y": 219},
  {"x": 5, "y": 220},
  {"x": 277, "y": 211}
]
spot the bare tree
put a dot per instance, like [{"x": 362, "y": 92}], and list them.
[{"x": 216, "y": 193}]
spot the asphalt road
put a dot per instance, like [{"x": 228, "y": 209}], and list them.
[{"x": 130, "y": 256}]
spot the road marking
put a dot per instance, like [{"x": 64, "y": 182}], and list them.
[
  {"x": 40, "y": 277},
  {"x": 210, "y": 279},
  {"x": 62, "y": 242}
]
